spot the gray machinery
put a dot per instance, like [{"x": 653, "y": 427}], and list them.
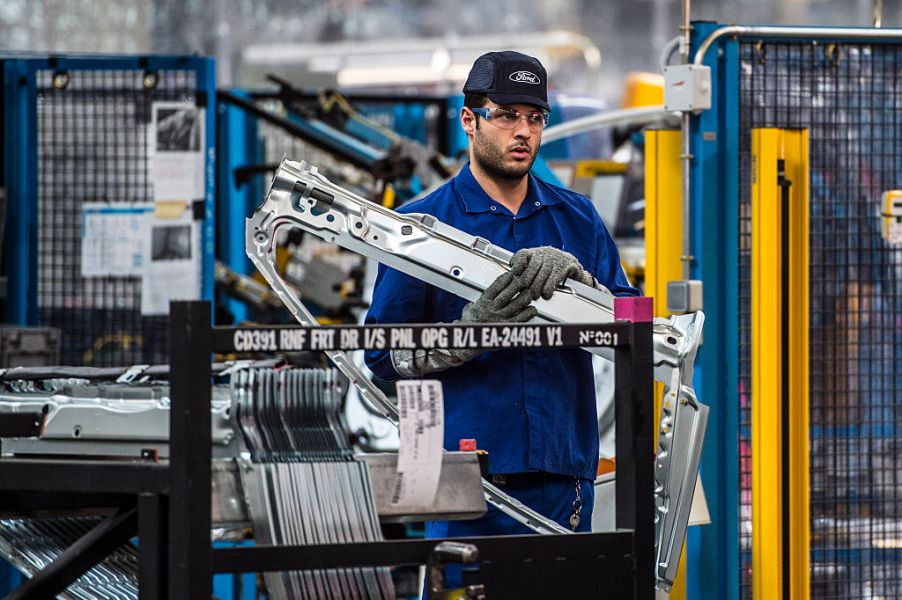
[
  {"x": 423, "y": 247},
  {"x": 280, "y": 456}
]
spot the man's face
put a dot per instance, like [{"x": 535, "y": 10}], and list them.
[{"x": 506, "y": 153}]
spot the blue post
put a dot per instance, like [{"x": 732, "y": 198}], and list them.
[
  {"x": 206, "y": 89},
  {"x": 714, "y": 203},
  {"x": 239, "y": 146},
  {"x": 20, "y": 182}
]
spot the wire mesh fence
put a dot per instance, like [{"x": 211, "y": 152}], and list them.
[
  {"x": 849, "y": 96},
  {"x": 92, "y": 147}
]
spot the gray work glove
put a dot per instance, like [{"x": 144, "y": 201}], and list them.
[
  {"x": 544, "y": 268},
  {"x": 504, "y": 301}
]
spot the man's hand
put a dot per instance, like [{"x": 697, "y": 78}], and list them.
[
  {"x": 544, "y": 268},
  {"x": 506, "y": 300}
]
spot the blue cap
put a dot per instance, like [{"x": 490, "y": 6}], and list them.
[{"x": 509, "y": 78}]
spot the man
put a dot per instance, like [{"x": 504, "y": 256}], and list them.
[{"x": 532, "y": 410}]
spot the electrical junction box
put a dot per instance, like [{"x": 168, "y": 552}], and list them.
[
  {"x": 687, "y": 88},
  {"x": 684, "y": 296},
  {"x": 891, "y": 216}
]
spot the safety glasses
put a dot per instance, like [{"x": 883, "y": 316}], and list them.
[{"x": 508, "y": 118}]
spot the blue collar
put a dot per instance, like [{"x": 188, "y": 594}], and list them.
[{"x": 475, "y": 200}]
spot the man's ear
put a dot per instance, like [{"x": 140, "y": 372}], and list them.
[{"x": 467, "y": 121}]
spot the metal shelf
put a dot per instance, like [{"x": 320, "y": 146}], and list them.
[{"x": 169, "y": 504}]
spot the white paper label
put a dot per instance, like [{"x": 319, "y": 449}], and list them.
[
  {"x": 176, "y": 148},
  {"x": 111, "y": 239},
  {"x": 422, "y": 429},
  {"x": 172, "y": 268},
  {"x": 894, "y": 231}
]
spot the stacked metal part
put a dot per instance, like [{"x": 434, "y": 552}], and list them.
[
  {"x": 96, "y": 420},
  {"x": 32, "y": 544},
  {"x": 104, "y": 419},
  {"x": 301, "y": 483}
]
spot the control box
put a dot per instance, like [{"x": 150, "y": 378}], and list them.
[
  {"x": 891, "y": 216},
  {"x": 687, "y": 88}
]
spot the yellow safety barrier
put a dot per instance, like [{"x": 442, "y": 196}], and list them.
[
  {"x": 663, "y": 247},
  {"x": 779, "y": 357}
]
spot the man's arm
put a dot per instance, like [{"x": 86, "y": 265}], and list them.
[
  {"x": 397, "y": 298},
  {"x": 400, "y": 298},
  {"x": 506, "y": 300}
]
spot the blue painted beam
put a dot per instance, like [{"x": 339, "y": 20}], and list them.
[{"x": 714, "y": 172}]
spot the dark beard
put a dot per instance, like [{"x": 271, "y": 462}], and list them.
[{"x": 491, "y": 161}]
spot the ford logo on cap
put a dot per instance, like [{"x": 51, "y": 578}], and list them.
[{"x": 524, "y": 77}]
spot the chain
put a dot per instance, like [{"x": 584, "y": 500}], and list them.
[{"x": 577, "y": 508}]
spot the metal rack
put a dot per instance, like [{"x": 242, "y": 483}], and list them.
[{"x": 175, "y": 556}]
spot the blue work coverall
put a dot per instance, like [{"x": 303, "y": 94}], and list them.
[{"x": 533, "y": 410}]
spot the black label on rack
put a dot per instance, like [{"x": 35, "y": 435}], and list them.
[{"x": 410, "y": 337}]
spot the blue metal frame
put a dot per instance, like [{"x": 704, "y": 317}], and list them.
[
  {"x": 235, "y": 586},
  {"x": 715, "y": 199},
  {"x": 20, "y": 173},
  {"x": 206, "y": 82},
  {"x": 238, "y": 145},
  {"x": 364, "y": 152},
  {"x": 714, "y": 177},
  {"x": 374, "y": 137},
  {"x": 20, "y": 163},
  {"x": 457, "y": 139}
]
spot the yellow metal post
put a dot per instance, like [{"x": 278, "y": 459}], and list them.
[
  {"x": 663, "y": 247},
  {"x": 663, "y": 216},
  {"x": 796, "y": 146},
  {"x": 767, "y": 492},
  {"x": 775, "y": 299}
]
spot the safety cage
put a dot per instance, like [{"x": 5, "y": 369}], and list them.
[
  {"x": 790, "y": 168},
  {"x": 108, "y": 176}
]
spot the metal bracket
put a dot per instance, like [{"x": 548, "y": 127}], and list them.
[
  {"x": 132, "y": 373},
  {"x": 452, "y": 260},
  {"x": 235, "y": 366},
  {"x": 450, "y": 552}
]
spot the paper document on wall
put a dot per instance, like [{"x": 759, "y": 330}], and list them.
[
  {"x": 172, "y": 271},
  {"x": 111, "y": 239},
  {"x": 422, "y": 427},
  {"x": 175, "y": 143}
]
